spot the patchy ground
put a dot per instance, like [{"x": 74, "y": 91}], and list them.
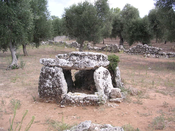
[{"x": 153, "y": 107}]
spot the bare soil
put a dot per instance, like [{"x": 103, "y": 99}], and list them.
[{"x": 154, "y": 78}]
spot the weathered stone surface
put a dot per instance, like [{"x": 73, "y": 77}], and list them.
[
  {"x": 81, "y": 60},
  {"x": 115, "y": 93},
  {"x": 117, "y": 100},
  {"x": 52, "y": 83},
  {"x": 75, "y": 44},
  {"x": 89, "y": 126},
  {"x": 144, "y": 49},
  {"x": 103, "y": 81},
  {"x": 48, "y": 62},
  {"x": 118, "y": 80},
  {"x": 84, "y": 99}
]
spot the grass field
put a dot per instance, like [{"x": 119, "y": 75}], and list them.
[{"x": 153, "y": 108}]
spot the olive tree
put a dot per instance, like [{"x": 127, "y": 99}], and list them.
[
  {"x": 156, "y": 25},
  {"x": 85, "y": 22},
  {"x": 139, "y": 31},
  {"x": 122, "y": 21},
  {"x": 15, "y": 25},
  {"x": 166, "y": 11}
]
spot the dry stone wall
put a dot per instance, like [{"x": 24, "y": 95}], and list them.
[{"x": 149, "y": 51}]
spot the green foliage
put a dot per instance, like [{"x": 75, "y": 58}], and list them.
[
  {"x": 166, "y": 11},
  {"x": 57, "y": 24},
  {"x": 139, "y": 31},
  {"x": 158, "y": 123},
  {"x": 85, "y": 21},
  {"x": 16, "y": 104},
  {"x": 20, "y": 124},
  {"x": 114, "y": 60},
  {"x": 123, "y": 21},
  {"x": 106, "y": 17},
  {"x": 82, "y": 22},
  {"x": 22, "y": 64},
  {"x": 15, "y": 22},
  {"x": 60, "y": 126},
  {"x": 128, "y": 127},
  {"x": 42, "y": 24},
  {"x": 155, "y": 24}
]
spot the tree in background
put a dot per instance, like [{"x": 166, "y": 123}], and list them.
[
  {"x": 58, "y": 26},
  {"x": 155, "y": 24},
  {"x": 139, "y": 31},
  {"x": 85, "y": 22},
  {"x": 15, "y": 25},
  {"x": 166, "y": 10},
  {"x": 41, "y": 20},
  {"x": 105, "y": 15},
  {"x": 122, "y": 21}
]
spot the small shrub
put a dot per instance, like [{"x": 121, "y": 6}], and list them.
[
  {"x": 19, "y": 125},
  {"x": 158, "y": 123},
  {"x": 15, "y": 103},
  {"x": 114, "y": 60},
  {"x": 128, "y": 127},
  {"x": 22, "y": 64},
  {"x": 60, "y": 126},
  {"x": 14, "y": 67}
]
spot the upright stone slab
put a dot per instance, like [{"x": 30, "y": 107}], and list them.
[
  {"x": 52, "y": 83},
  {"x": 103, "y": 81},
  {"x": 118, "y": 77}
]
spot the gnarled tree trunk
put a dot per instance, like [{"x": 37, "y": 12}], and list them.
[
  {"x": 14, "y": 64},
  {"x": 24, "y": 50},
  {"x": 121, "y": 40},
  {"x": 81, "y": 45}
]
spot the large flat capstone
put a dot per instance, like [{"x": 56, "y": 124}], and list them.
[{"x": 77, "y": 60}]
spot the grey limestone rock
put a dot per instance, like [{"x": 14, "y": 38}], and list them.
[
  {"x": 89, "y": 126},
  {"x": 115, "y": 93},
  {"x": 84, "y": 126},
  {"x": 118, "y": 78},
  {"x": 48, "y": 62},
  {"x": 82, "y": 60},
  {"x": 103, "y": 81},
  {"x": 52, "y": 83}
]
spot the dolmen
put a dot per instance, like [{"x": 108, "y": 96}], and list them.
[{"x": 56, "y": 79}]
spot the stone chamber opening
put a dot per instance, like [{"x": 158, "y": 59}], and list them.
[{"x": 81, "y": 81}]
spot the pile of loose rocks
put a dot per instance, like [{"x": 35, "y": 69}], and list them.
[{"x": 56, "y": 80}]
